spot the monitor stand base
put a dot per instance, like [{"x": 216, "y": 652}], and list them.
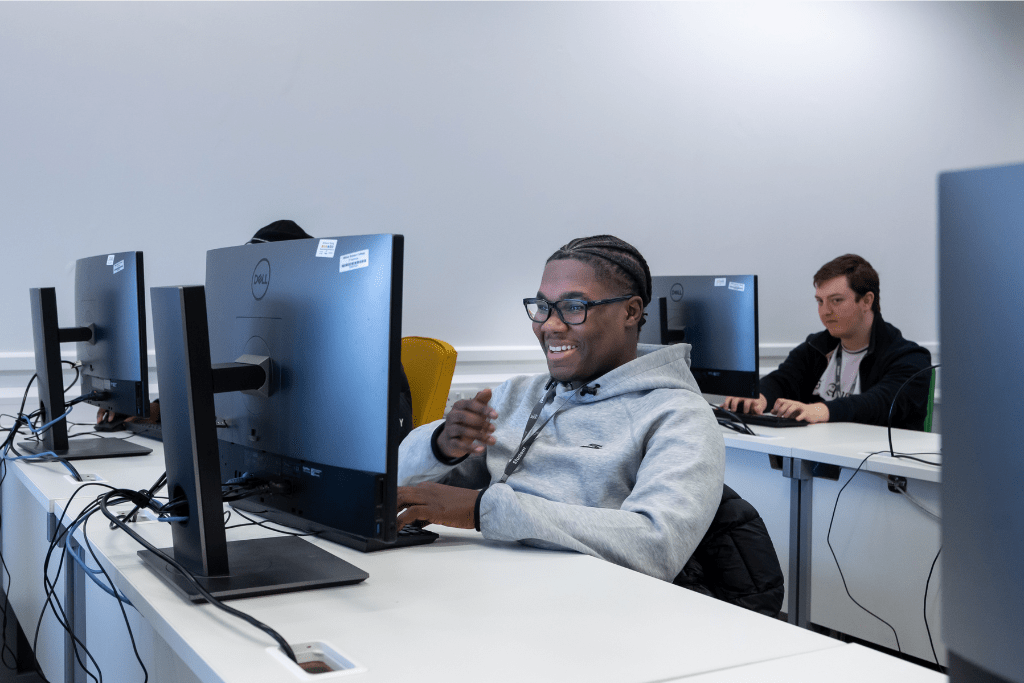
[
  {"x": 87, "y": 449},
  {"x": 263, "y": 566}
]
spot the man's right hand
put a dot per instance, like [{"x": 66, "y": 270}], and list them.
[
  {"x": 467, "y": 429},
  {"x": 745, "y": 405}
]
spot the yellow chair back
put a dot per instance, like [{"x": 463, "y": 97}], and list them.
[{"x": 429, "y": 365}]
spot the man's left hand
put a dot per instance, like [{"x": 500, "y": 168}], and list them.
[
  {"x": 808, "y": 412},
  {"x": 434, "y": 503}
]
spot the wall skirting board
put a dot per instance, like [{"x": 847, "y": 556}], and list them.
[{"x": 477, "y": 367}]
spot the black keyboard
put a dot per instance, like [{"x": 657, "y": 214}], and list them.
[
  {"x": 769, "y": 420},
  {"x": 407, "y": 536},
  {"x": 762, "y": 420},
  {"x": 150, "y": 430}
]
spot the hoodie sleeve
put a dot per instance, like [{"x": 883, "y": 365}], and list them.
[
  {"x": 416, "y": 460},
  {"x": 418, "y": 463},
  {"x": 675, "y": 496}
]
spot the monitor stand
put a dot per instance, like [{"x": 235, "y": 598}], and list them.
[
  {"x": 47, "y": 336},
  {"x": 87, "y": 449},
  {"x": 234, "y": 569},
  {"x": 262, "y": 566}
]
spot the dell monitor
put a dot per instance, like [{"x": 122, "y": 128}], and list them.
[
  {"x": 110, "y": 337},
  {"x": 717, "y": 316},
  {"x": 322, "y": 321}
]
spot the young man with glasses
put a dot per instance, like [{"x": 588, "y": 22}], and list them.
[{"x": 616, "y": 454}]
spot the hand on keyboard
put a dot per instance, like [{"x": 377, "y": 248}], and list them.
[{"x": 807, "y": 412}]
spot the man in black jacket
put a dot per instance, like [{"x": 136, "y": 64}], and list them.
[{"x": 852, "y": 371}]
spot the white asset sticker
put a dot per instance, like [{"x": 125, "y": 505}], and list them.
[
  {"x": 326, "y": 248},
  {"x": 357, "y": 259},
  {"x": 738, "y": 286},
  {"x": 110, "y": 260},
  {"x": 118, "y": 267},
  {"x": 719, "y": 282}
]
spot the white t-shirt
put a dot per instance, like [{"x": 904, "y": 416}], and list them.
[{"x": 842, "y": 375}]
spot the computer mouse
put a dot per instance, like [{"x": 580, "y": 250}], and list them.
[{"x": 112, "y": 426}]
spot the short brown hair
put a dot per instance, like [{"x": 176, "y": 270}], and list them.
[{"x": 861, "y": 277}]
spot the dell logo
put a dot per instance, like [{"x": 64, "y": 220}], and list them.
[
  {"x": 261, "y": 279},
  {"x": 676, "y": 292}
]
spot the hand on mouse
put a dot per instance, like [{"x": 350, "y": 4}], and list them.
[{"x": 437, "y": 504}]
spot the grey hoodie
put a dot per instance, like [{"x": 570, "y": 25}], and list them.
[{"x": 632, "y": 474}]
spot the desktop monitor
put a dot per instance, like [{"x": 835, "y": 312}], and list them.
[
  {"x": 322, "y": 321},
  {"x": 717, "y": 316},
  {"x": 110, "y": 337},
  {"x": 981, "y": 248}
]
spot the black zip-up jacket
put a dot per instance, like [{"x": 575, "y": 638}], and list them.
[
  {"x": 736, "y": 560},
  {"x": 889, "y": 362}
]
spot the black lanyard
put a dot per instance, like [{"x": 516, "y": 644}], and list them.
[
  {"x": 839, "y": 369},
  {"x": 528, "y": 438}
]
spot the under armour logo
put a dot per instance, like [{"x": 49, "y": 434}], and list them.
[{"x": 592, "y": 445}]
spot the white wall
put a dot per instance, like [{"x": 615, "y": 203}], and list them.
[{"x": 736, "y": 138}]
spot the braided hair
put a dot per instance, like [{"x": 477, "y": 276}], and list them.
[{"x": 612, "y": 259}]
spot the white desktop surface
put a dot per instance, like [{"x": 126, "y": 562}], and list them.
[
  {"x": 848, "y": 664},
  {"x": 464, "y": 609},
  {"x": 850, "y": 453},
  {"x": 825, "y": 437},
  {"x": 49, "y": 481}
]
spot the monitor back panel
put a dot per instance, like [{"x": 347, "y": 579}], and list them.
[
  {"x": 719, "y": 316},
  {"x": 110, "y": 298},
  {"x": 324, "y": 317}
]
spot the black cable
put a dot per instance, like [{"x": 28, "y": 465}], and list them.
[
  {"x": 731, "y": 420},
  {"x": 195, "y": 584},
  {"x": 132, "y": 514},
  {"x": 8, "y": 447},
  {"x": 120, "y": 603},
  {"x": 910, "y": 456},
  {"x": 61, "y": 616},
  {"x": 892, "y": 406},
  {"x": 50, "y": 590},
  {"x": 6, "y": 649},
  {"x": 926, "y": 628},
  {"x": 263, "y": 524},
  {"x": 24, "y": 397},
  {"x": 78, "y": 374},
  {"x": 828, "y": 539}
]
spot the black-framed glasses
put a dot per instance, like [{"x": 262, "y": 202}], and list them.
[{"x": 571, "y": 311}]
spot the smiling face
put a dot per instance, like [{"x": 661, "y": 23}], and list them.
[
  {"x": 606, "y": 340},
  {"x": 843, "y": 316}
]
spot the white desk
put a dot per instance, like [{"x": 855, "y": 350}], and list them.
[
  {"x": 29, "y": 492},
  {"x": 848, "y": 664},
  {"x": 884, "y": 544},
  {"x": 460, "y": 609},
  {"x": 464, "y": 609}
]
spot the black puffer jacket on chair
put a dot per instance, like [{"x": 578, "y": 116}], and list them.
[{"x": 736, "y": 561}]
